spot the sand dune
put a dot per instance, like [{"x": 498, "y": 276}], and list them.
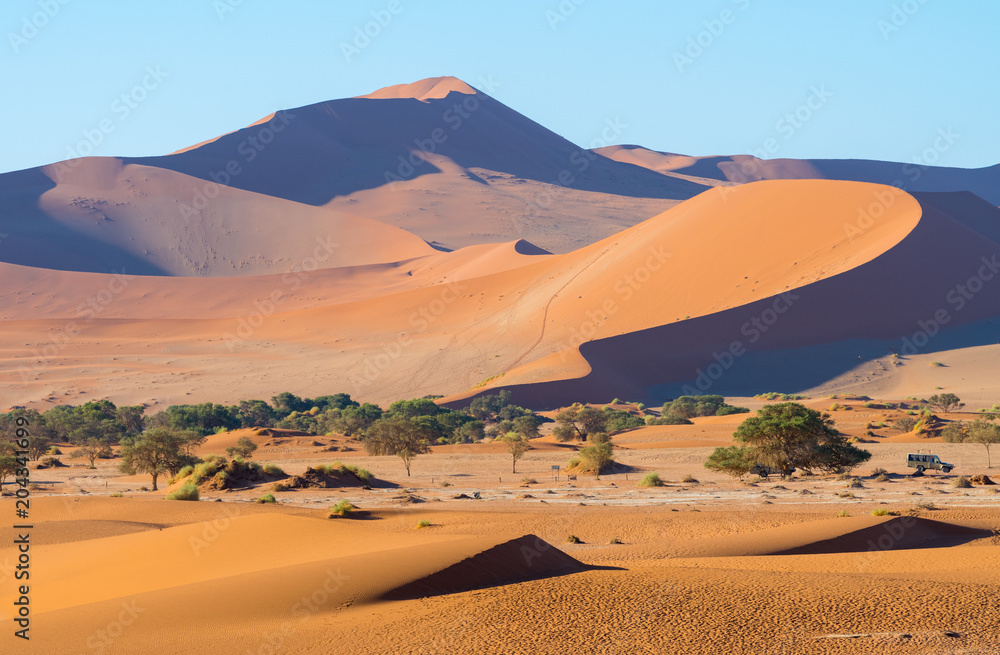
[
  {"x": 911, "y": 176},
  {"x": 102, "y": 215},
  {"x": 860, "y": 534},
  {"x": 579, "y": 325}
]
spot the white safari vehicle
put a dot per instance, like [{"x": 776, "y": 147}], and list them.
[{"x": 923, "y": 461}]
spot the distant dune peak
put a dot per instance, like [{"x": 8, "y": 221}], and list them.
[{"x": 426, "y": 89}]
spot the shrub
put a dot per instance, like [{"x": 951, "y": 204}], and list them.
[
  {"x": 117, "y": 494},
  {"x": 615, "y": 540},
  {"x": 962, "y": 482},
  {"x": 878, "y": 471},
  {"x": 184, "y": 492},
  {"x": 905, "y": 424},
  {"x": 843, "y": 513},
  {"x": 280, "y": 486},
  {"x": 651, "y": 480},
  {"x": 529, "y": 481},
  {"x": 423, "y": 523},
  {"x": 342, "y": 509},
  {"x": 272, "y": 470},
  {"x": 881, "y": 511},
  {"x": 573, "y": 539},
  {"x": 689, "y": 479},
  {"x": 267, "y": 499},
  {"x": 596, "y": 458}
]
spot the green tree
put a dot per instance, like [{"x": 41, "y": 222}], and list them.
[
  {"x": 244, "y": 447},
  {"x": 734, "y": 460},
  {"x": 946, "y": 402},
  {"x": 986, "y": 433},
  {"x": 8, "y": 467},
  {"x": 789, "y": 435},
  {"x": 397, "y": 435},
  {"x": 255, "y": 414},
  {"x": 92, "y": 449},
  {"x": 517, "y": 445},
  {"x": 156, "y": 451}
]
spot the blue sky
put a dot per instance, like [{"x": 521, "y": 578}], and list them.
[{"x": 875, "y": 79}]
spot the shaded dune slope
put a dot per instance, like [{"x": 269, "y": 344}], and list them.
[
  {"x": 861, "y": 534},
  {"x": 890, "y": 297},
  {"x": 517, "y": 560}
]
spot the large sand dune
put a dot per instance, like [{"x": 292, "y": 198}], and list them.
[{"x": 644, "y": 313}]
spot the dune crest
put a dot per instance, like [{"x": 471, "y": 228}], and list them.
[{"x": 426, "y": 89}]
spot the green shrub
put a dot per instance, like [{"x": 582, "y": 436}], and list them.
[
  {"x": 651, "y": 480},
  {"x": 573, "y": 539},
  {"x": 272, "y": 469},
  {"x": 342, "y": 509},
  {"x": 184, "y": 492},
  {"x": 117, "y": 494},
  {"x": 843, "y": 513},
  {"x": 423, "y": 523},
  {"x": 267, "y": 499},
  {"x": 881, "y": 511}
]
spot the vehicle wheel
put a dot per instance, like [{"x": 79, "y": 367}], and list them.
[
  {"x": 946, "y": 470},
  {"x": 920, "y": 468}
]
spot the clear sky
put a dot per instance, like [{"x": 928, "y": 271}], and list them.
[{"x": 876, "y": 79}]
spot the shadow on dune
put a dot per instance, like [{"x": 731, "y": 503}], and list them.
[
  {"x": 900, "y": 533},
  {"x": 31, "y": 237},
  {"x": 518, "y": 560},
  {"x": 888, "y": 305}
]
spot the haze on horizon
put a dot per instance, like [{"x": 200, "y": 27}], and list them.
[{"x": 719, "y": 78}]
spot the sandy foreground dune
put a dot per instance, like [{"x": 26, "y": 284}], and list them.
[
  {"x": 701, "y": 566},
  {"x": 235, "y": 578}
]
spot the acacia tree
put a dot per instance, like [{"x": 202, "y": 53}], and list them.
[
  {"x": 8, "y": 467},
  {"x": 517, "y": 446},
  {"x": 986, "y": 433},
  {"x": 92, "y": 449},
  {"x": 244, "y": 447},
  {"x": 397, "y": 435},
  {"x": 946, "y": 402},
  {"x": 784, "y": 437},
  {"x": 156, "y": 451}
]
